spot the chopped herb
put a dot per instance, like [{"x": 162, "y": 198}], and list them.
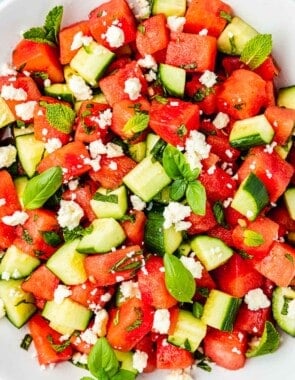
[
  {"x": 40, "y": 74},
  {"x": 198, "y": 309},
  {"x": 76, "y": 233},
  {"x": 202, "y": 361},
  {"x": 289, "y": 257},
  {"x": 257, "y": 50},
  {"x": 239, "y": 106},
  {"x": 138, "y": 321},
  {"x": 233, "y": 45},
  {"x": 226, "y": 16},
  {"x": 203, "y": 291},
  {"x": 52, "y": 238},
  {"x": 26, "y": 342},
  {"x": 59, "y": 116},
  {"x": 252, "y": 238},
  {"x": 244, "y": 254},
  {"x": 20, "y": 124},
  {"x": 182, "y": 130},
  {"x": 161, "y": 99},
  {"x": 128, "y": 263},
  {"x": 189, "y": 66},
  {"x": 27, "y": 237},
  {"x": 116, "y": 318},
  {"x": 137, "y": 123},
  {"x": 218, "y": 211},
  {"x": 111, "y": 198},
  {"x": 141, "y": 28},
  {"x": 58, "y": 347},
  {"x": 187, "y": 345},
  {"x": 128, "y": 218}
]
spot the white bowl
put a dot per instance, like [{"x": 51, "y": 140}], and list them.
[{"x": 267, "y": 16}]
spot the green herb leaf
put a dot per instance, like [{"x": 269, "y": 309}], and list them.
[
  {"x": 59, "y": 116},
  {"x": 196, "y": 197},
  {"x": 123, "y": 374},
  {"x": 138, "y": 321},
  {"x": 76, "y": 233},
  {"x": 226, "y": 16},
  {"x": 179, "y": 280},
  {"x": 137, "y": 123},
  {"x": 177, "y": 189},
  {"x": 198, "y": 309},
  {"x": 252, "y": 238},
  {"x": 257, "y": 50},
  {"x": 26, "y": 342},
  {"x": 87, "y": 378},
  {"x": 176, "y": 165},
  {"x": 111, "y": 198},
  {"x": 49, "y": 32},
  {"x": 52, "y": 238},
  {"x": 102, "y": 360},
  {"x": 58, "y": 347},
  {"x": 218, "y": 211},
  {"x": 42, "y": 187}
]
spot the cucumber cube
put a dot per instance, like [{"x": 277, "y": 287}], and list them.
[
  {"x": 169, "y": 7},
  {"x": 110, "y": 204},
  {"x": 6, "y": 116}
]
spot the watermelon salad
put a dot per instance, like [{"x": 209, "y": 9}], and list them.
[{"x": 147, "y": 190}]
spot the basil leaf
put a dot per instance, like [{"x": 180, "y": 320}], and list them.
[
  {"x": 123, "y": 374},
  {"x": 102, "y": 361},
  {"x": 177, "y": 189},
  {"x": 218, "y": 211},
  {"x": 196, "y": 197},
  {"x": 87, "y": 378},
  {"x": 137, "y": 123},
  {"x": 252, "y": 238},
  {"x": 42, "y": 187},
  {"x": 179, "y": 280},
  {"x": 256, "y": 50},
  {"x": 171, "y": 163},
  {"x": 59, "y": 116}
]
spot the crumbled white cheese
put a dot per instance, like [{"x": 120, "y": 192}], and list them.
[
  {"x": 291, "y": 309},
  {"x": 148, "y": 62},
  {"x": 132, "y": 87},
  {"x": 69, "y": 214},
  {"x": 114, "y": 36},
  {"x": 176, "y": 23},
  {"x": 105, "y": 118},
  {"x": 221, "y": 120},
  {"x": 25, "y": 111},
  {"x": 60, "y": 293},
  {"x": 79, "y": 88},
  {"x": 2, "y": 202},
  {"x": 195, "y": 267},
  {"x": 106, "y": 297},
  {"x": 196, "y": 149},
  {"x": 140, "y": 8},
  {"x": 174, "y": 214},
  {"x": 139, "y": 360},
  {"x": 88, "y": 336},
  {"x": 80, "y": 40},
  {"x": 53, "y": 144},
  {"x": 137, "y": 203},
  {"x": 2, "y": 309},
  {"x": 113, "y": 165},
  {"x": 9, "y": 92},
  {"x": 161, "y": 321},
  {"x": 7, "y": 155},
  {"x": 80, "y": 358},
  {"x": 47, "y": 82},
  {"x": 114, "y": 150},
  {"x": 5, "y": 69},
  {"x": 203, "y": 32},
  {"x": 256, "y": 299},
  {"x": 100, "y": 323},
  {"x": 18, "y": 217},
  {"x": 208, "y": 78},
  {"x": 129, "y": 289},
  {"x": 150, "y": 76},
  {"x": 5, "y": 276},
  {"x": 73, "y": 185}
]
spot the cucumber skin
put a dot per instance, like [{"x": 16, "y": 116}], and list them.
[{"x": 285, "y": 323}]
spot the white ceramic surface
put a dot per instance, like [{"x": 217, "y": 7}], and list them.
[{"x": 268, "y": 16}]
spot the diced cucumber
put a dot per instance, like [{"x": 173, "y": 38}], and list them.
[
  {"x": 151, "y": 141},
  {"x": 23, "y": 130},
  {"x": 68, "y": 264},
  {"x": 60, "y": 91},
  {"x": 286, "y": 97},
  {"x": 20, "y": 184},
  {"x": 267, "y": 343},
  {"x": 137, "y": 151},
  {"x": 289, "y": 198},
  {"x": 19, "y": 305},
  {"x": 184, "y": 249},
  {"x": 251, "y": 197},
  {"x": 163, "y": 196},
  {"x": 189, "y": 331},
  {"x": 64, "y": 330},
  {"x": 283, "y": 150},
  {"x": 17, "y": 264},
  {"x": 147, "y": 178},
  {"x": 6, "y": 116},
  {"x": 283, "y": 300},
  {"x": 110, "y": 204},
  {"x": 126, "y": 360},
  {"x": 69, "y": 315},
  {"x": 158, "y": 239},
  {"x": 91, "y": 62},
  {"x": 234, "y": 37},
  {"x": 30, "y": 152},
  {"x": 172, "y": 79},
  {"x": 211, "y": 251},
  {"x": 250, "y": 132},
  {"x": 106, "y": 233},
  {"x": 169, "y": 7},
  {"x": 220, "y": 310}
]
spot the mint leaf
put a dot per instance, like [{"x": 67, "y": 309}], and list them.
[
  {"x": 179, "y": 280},
  {"x": 252, "y": 238},
  {"x": 59, "y": 116},
  {"x": 41, "y": 187},
  {"x": 256, "y": 50},
  {"x": 49, "y": 32},
  {"x": 102, "y": 361},
  {"x": 137, "y": 123},
  {"x": 196, "y": 197}
]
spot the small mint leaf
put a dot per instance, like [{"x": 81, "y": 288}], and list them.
[{"x": 256, "y": 50}]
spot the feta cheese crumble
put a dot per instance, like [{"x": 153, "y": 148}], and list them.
[
  {"x": 140, "y": 8},
  {"x": 5, "y": 69},
  {"x": 114, "y": 36},
  {"x": 137, "y": 203},
  {"x": 139, "y": 360},
  {"x": 195, "y": 267},
  {"x": 69, "y": 214},
  {"x": 132, "y": 87},
  {"x": 221, "y": 120},
  {"x": 256, "y": 299},
  {"x": 129, "y": 289},
  {"x": 79, "y": 88},
  {"x": 176, "y": 23},
  {"x": 9, "y": 92},
  {"x": 148, "y": 62},
  {"x": 18, "y": 217},
  {"x": 100, "y": 323},
  {"x": 80, "y": 40},
  {"x": 196, "y": 149},
  {"x": 53, "y": 144},
  {"x": 7, "y": 155},
  {"x": 161, "y": 321},
  {"x": 174, "y": 214},
  {"x": 208, "y": 78},
  {"x": 60, "y": 293},
  {"x": 25, "y": 111}
]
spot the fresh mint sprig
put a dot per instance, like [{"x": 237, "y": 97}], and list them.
[
  {"x": 48, "y": 33},
  {"x": 185, "y": 183},
  {"x": 256, "y": 50}
]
